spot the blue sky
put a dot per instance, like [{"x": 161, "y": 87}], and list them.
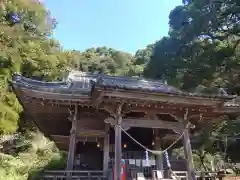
[{"x": 125, "y": 25}]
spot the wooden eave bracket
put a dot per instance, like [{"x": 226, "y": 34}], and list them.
[{"x": 97, "y": 97}]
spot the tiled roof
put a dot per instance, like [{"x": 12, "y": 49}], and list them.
[
  {"x": 75, "y": 83},
  {"x": 84, "y": 83},
  {"x": 130, "y": 83},
  {"x": 146, "y": 85}
]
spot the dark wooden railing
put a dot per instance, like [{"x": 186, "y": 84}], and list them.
[
  {"x": 75, "y": 175},
  {"x": 201, "y": 175},
  {"x": 100, "y": 175}
]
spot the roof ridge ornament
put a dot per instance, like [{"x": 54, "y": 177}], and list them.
[
  {"x": 233, "y": 103},
  {"x": 223, "y": 92},
  {"x": 75, "y": 75}
]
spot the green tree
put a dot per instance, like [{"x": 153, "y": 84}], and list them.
[
  {"x": 201, "y": 54},
  {"x": 24, "y": 49},
  {"x": 203, "y": 47}
]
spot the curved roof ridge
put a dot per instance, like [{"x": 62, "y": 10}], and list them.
[
  {"x": 88, "y": 81},
  {"x": 76, "y": 74},
  {"x": 135, "y": 83},
  {"x": 18, "y": 77},
  {"x": 134, "y": 78}
]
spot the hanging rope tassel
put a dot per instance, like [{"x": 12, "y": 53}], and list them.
[
  {"x": 167, "y": 162},
  {"x": 166, "y": 159}
]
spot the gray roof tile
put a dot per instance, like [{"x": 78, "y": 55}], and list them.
[
  {"x": 84, "y": 83},
  {"x": 130, "y": 83}
]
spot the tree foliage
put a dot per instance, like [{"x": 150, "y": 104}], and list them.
[
  {"x": 202, "y": 47},
  {"x": 201, "y": 54},
  {"x": 27, "y": 49}
]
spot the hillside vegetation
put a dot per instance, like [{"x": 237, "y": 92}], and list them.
[{"x": 201, "y": 54}]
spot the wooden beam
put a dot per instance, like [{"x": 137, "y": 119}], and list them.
[
  {"x": 175, "y": 99},
  {"x": 228, "y": 110},
  {"x": 147, "y": 123},
  {"x": 90, "y": 132},
  {"x": 65, "y": 139},
  {"x": 59, "y": 96}
]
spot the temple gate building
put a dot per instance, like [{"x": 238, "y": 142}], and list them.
[{"x": 86, "y": 114}]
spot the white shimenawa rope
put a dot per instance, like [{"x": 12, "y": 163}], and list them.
[{"x": 156, "y": 152}]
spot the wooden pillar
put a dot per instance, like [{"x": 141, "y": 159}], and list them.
[
  {"x": 106, "y": 149},
  {"x": 159, "y": 157},
  {"x": 72, "y": 144},
  {"x": 118, "y": 144},
  {"x": 188, "y": 150}
]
